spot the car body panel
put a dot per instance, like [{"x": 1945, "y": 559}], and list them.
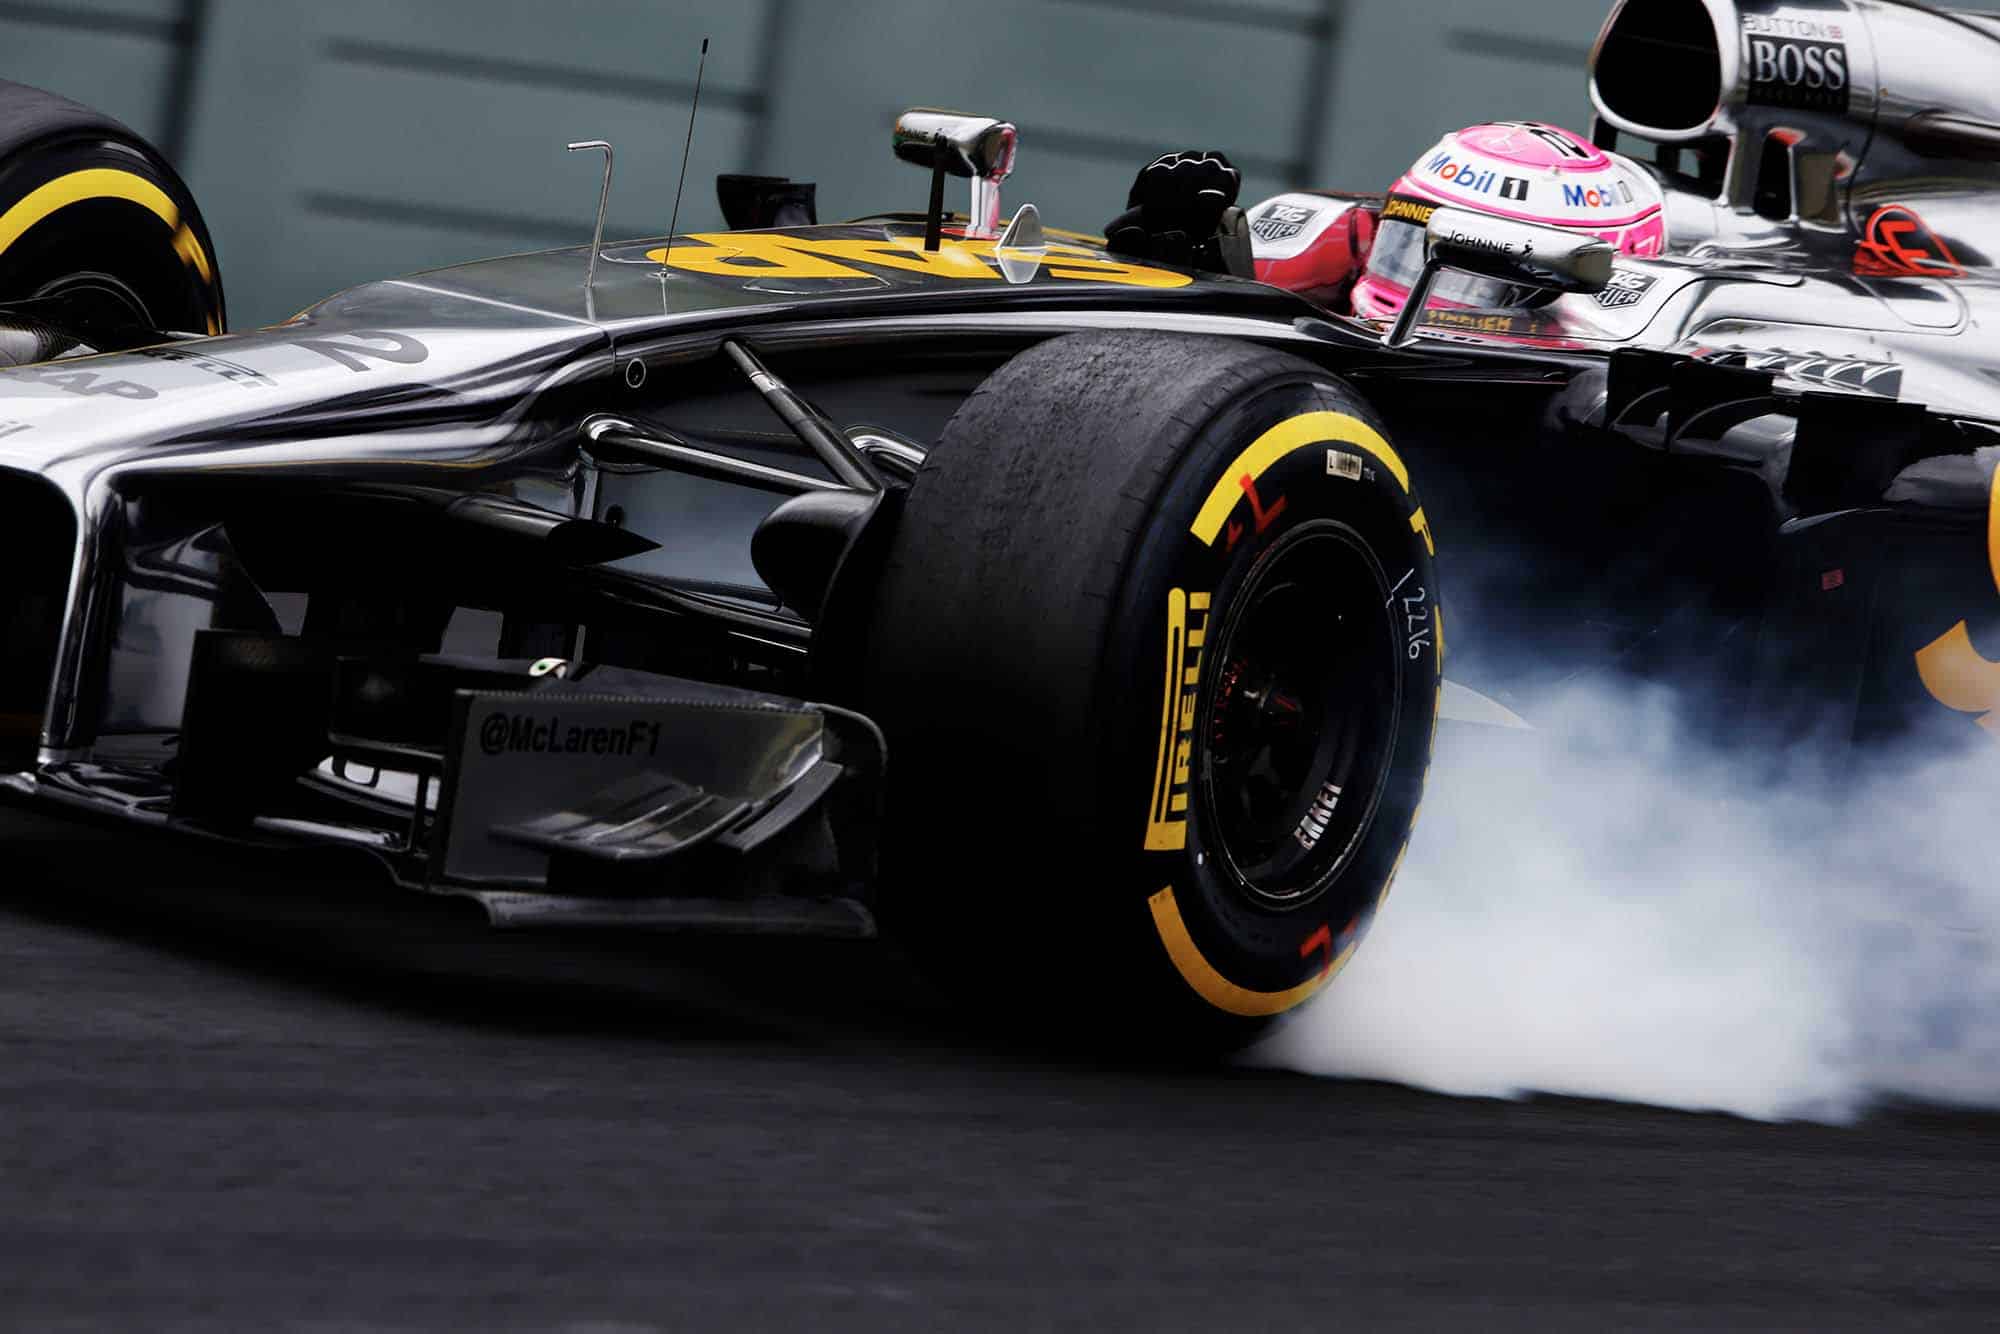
[{"x": 1766, "y": 458}]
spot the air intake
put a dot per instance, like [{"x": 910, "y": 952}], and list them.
[{"x": 1659, "y": 68}]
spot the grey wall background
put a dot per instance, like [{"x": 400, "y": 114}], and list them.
[{"x": 332, "y": 143}]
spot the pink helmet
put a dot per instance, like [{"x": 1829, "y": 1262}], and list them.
[{"x": 1516, "y": 169}]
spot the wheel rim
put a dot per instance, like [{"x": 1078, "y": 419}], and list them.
[
  {"x": 100, "y": 297},
  {"x": 1299, "y": 721}
]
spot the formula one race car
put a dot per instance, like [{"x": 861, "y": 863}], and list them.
[{"x": 1072, "y": 611}]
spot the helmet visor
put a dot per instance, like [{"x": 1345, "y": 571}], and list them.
[{"x": 1398, "y": 257}]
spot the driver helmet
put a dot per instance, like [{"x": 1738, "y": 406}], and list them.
[{"x": 1519, "y": 169}]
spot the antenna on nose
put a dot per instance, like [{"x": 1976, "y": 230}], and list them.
[
  {"x": 686, "y": 148},
  {"x": 596, "y": 237}
]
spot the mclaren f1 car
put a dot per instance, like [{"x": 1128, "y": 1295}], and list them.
[{"x": 1074, "y": 611}]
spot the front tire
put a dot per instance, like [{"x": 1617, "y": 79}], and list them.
[
  {"x": 96, "y": 229},
  {"x": 1157, "y": 652}
]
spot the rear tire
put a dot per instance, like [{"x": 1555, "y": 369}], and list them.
[
  {"x": 96, "y": 228},
  {"x": 1157, "y": 653}
]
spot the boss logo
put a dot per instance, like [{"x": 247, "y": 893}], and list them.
[{"x": 1804, "y": 75}]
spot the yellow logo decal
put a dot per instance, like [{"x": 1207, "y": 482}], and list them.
[
  {"x": 1950, "y": 667},
  {"x": 1959, "y": 678},
  {"x": 777, "y": 255},
  {"x": 1187, "y": 628}
]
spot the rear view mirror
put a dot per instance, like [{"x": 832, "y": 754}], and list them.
[
  {"x": 977, "y": 146},
  {"x": 951, "y": 143},
  {"x": 1549, "y": 258}
]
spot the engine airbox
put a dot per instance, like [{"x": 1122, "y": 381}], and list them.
[
  {"x": 1858, "y": 95},
  {"x": 1678, "y": 70}
]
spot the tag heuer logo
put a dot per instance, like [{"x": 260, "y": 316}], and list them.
[
  {"x": 1280, "y": 222},
  {"x": 1625, "y": 289}
]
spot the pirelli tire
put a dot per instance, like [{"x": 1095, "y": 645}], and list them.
[
  {"x": 95, "y": 223},
  {"x": 1157, "y": 649}
]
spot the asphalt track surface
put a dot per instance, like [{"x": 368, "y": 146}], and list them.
[{"x": 247, "y": 1093}]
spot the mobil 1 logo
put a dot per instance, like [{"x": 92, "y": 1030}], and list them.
[{"x": 1800, "y": 63}]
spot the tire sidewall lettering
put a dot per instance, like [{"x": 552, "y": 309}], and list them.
[{"x": 1254, "y": 945}]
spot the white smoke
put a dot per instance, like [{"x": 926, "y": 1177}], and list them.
[{"x": 1608, "y": 908}]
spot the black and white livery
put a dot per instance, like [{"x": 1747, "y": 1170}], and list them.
[{"x": 1078, "y": 614}]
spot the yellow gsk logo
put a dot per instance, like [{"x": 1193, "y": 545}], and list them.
[
  {"x": 1950, "y": 667},
  {"x": 781, "y": 255}
]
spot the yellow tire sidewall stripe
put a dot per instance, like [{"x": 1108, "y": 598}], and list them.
[
  {"x": 1212, "y": 986},
  {"x": 104, "y": 183},
  {"x": 1300, "y": 432}
]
